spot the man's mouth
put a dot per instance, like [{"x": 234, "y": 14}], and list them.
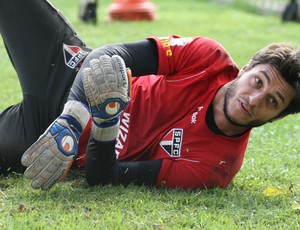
[{"x": 244, "y": 108}]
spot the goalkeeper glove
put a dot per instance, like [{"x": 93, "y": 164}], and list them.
[
  {"x": 107, "y": 87},
  {"x": 49, "y": 159}
]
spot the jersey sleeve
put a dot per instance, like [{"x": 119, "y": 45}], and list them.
[{"x": 182, "y": 54}]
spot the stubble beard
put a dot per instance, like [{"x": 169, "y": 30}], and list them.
[{"x": 229, "y": 93}]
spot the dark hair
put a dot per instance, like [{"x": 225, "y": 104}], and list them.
[{"x": 286, "y": 59}]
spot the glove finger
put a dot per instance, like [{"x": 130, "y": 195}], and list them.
[
  {"x": 45, "y": 174},
  {"x": 40, "y": 162},
  {"x": 97, "y": 80},
  {"x": 108, "y": 72},
  {"x": 121, "y": 72},
  {"x": 60, "y": 174},
  {"x": 89, "y": 87},
  {"x": 86, "y": 73},
  {"x": 36, "y": 149},
  {"x": 97, "y": 72}
]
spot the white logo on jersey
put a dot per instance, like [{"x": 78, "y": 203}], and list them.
[
  {"x": 73, "y": 55},
  {"x": 180, "y": 41},
  {"x": 123, "y": 133},
  {"x": 171, "y": 142},
  {"x": 194, "y": 116}
]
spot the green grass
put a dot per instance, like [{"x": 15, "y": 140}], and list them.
[{"x": 272, "y": 159}]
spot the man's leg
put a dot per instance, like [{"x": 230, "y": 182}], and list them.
[{"x": 34, "y": 34}]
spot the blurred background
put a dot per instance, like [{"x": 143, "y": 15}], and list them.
[
  {"x": 246, "y": 25},
  {"x": 241, "y": 26}
]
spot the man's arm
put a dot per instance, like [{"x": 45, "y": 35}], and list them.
[
  {"x": 101, "y": 164},
  {"x": 138, "y": 172},
  {"x": 106, "y": 85},
  {"x": 141, "y": 56},
  {"x": 103, "y": 168}
]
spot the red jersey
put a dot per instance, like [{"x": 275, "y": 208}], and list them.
[{"x": 166, "y": 118}]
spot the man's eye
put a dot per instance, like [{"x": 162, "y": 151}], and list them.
[
  {"x": 273, "y": 101},
  {"x": 258, "y": 81}
]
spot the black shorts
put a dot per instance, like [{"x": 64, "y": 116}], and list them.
[{"x": 43, "y": 49}]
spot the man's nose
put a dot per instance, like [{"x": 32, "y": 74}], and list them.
[{"x": 256, "y": 98}]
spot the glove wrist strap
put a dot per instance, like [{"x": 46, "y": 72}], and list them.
[
  {"x": 105, "y": 134},
  {"x": 78, "y": 111}
]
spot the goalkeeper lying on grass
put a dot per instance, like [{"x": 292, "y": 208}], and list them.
[{"x": 183, "y": 120}]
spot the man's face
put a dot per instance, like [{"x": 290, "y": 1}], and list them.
[{"x": 257, "y": 96}]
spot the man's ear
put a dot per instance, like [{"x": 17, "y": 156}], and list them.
[{"x": 243, "y": 69}]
